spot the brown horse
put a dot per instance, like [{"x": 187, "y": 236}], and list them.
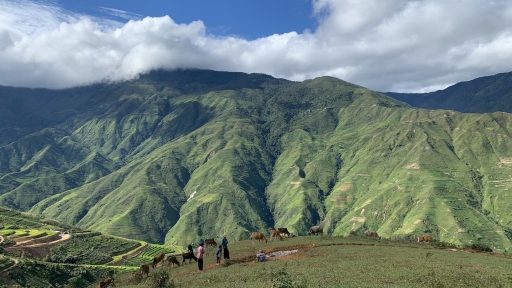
[
  {"x": 258, "y": 236},
  {"x": 107, "y": 282},
  {"x": 373, "y": 234},
  {"x": 173, "y": 260},
  {"x": 425, "y": 238},
  {"x": 144, "y": 269},
  {"x": 157, "y": 260},
  {"x": 275, "y": 233},
  {"x": 209, "y": 241}
]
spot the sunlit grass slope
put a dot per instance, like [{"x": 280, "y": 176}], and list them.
[{"x": 339, "y": 262}]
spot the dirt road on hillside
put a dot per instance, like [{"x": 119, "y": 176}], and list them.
[
  {"x": 63, "y": 238},
  {"x": 39, "y": 250},
  {"x": 16, "y": 261}
]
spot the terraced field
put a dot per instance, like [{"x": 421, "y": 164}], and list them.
[{"x": 148, "y": 255}]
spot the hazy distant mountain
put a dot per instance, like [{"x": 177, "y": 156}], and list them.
[
  {"x": 174, "y": 156},
  {"x": 481, "y": 95}
]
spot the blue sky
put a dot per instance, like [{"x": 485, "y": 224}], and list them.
[
  {"x": 247, "y": 19},
  {"x": 392, "y": 45}
]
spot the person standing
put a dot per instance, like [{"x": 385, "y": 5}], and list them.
[
  {"x": 200, "y": 253},
  {"x": 219, "y": 254},
  {"x": 225, "y": 246}
]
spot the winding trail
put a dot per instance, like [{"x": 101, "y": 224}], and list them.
[
  {"x": 15, "y": 260},
  {"x": 1, "y": 238},
  {"x": 27, "y": 241}
]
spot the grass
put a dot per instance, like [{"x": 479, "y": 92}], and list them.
[
  {"x": 350, "y": 262},
  {"x": 26, "y": 232}
]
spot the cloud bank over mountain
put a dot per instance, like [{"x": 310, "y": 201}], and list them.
[{"x": 395, "y": 45}]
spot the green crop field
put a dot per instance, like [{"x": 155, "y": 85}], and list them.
[
  {"x": 148, "y": 255},
  {"x": 89, "y": 248}
]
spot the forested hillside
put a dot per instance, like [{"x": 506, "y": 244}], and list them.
[{"x": 174, "y": 156}]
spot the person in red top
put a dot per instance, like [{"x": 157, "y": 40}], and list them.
[{"x": 200, "y": 253}]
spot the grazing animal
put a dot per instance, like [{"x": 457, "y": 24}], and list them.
[
  {"x": 157, "y": 260},
  {"x": 107, "y": 282},
  {"x": 352, "y": 233},
  {"x": 275, "y": 233},
  {"x": 188, "y": 256},
  {"x": 144, "y": 269},
  {"x": 284, "y": 231},
  {"x": 369, "y": 233},
  {"x": 173, "y": 260},
  {"x": 316, "y": 230},
  {"x": 425, "y": 238},
  {"x": 210, "y": 241},
  {"x": 258, "y": 236}
]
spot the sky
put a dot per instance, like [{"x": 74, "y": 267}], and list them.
[{"x": 392, "y": 45}]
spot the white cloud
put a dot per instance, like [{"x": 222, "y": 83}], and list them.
[
  {"x": 120, "y": 13},
  {"x": 394, "y": 45}
]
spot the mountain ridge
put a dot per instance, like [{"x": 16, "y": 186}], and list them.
[
  {"x": 480, "y": 95},
  {"x": 178, "y": 155}
]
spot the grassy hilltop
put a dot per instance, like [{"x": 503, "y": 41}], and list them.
[{"x": 174, "y": 156}]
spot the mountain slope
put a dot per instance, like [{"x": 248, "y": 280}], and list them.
[
  {"x": 481, "y": 95},
  {"x": 174, "y": 156}
]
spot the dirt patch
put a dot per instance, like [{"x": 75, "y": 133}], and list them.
[
  {"x": 413, "y": 166},
  {"x": 505, "y": 160},
  {"x": 346, "y": 187},
  {"x": 293, "y": 256},
  {"x": 358, "y": 219},
  {"x": 1, "y": 239},
  {"x": 37, "y": 241},
  {"x": 296, "y": 184},
  {"x": 40, "y": 250},
  {"x": 29, "y": 239}
]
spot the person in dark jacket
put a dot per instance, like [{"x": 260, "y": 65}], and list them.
[{"x": 224, "y": 244}]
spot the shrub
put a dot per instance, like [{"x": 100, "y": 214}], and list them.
[
  {"x": 478, "y": 247},
  {"x": 76, "y": 282},
  {"x": 161, "y": 279},
  {"x": 442, "y": 244},
  {"x": 281, "y": 279}
]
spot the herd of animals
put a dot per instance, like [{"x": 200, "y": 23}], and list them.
[{"x": 171, "y": 260}]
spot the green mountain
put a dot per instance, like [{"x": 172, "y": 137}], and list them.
[
  {"x": 174, "y": 156},
  {"x": 481, "y": 95}
]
